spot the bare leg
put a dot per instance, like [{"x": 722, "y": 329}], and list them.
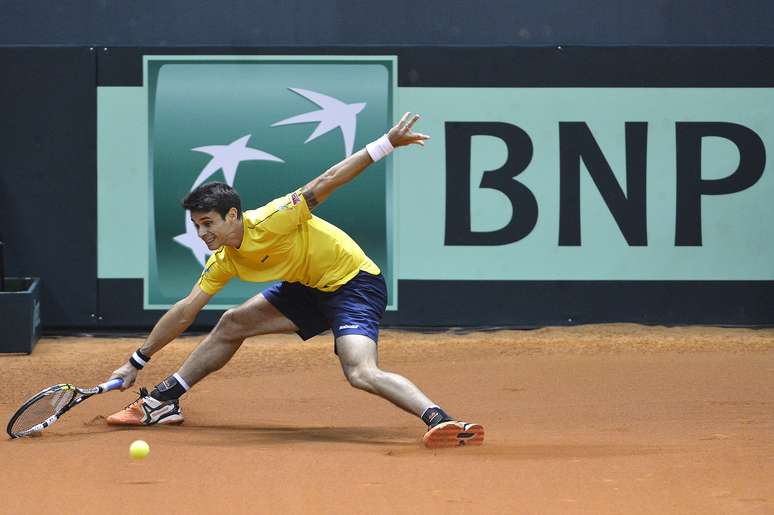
[
  {"x": 254, "y": 317},
  {"x": 359, "y": 360}
]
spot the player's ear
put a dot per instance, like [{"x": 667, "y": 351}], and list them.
[{"x": 232, "y": 214}]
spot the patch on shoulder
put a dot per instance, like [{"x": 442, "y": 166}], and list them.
[{"x": 295, "y": 198}]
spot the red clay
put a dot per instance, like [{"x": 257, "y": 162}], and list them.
[{"x": 595, "y": 419}]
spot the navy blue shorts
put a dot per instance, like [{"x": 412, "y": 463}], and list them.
[{"x": 357, "y": 307}]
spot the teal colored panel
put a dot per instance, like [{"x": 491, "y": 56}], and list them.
[
  {"x": 122, "y": 183},
  {"x": 736, "y": 242}
]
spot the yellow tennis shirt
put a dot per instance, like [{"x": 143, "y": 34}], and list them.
[{"x": 284, "y": 241}]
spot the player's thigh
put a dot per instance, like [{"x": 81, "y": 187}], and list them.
[{"x": 254, "y": 317}]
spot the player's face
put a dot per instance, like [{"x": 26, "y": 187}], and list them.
[{"x": 212, "y": 228}]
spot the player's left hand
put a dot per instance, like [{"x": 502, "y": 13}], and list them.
[
  {"x": 126, "y": 372},
  {"x": 402, "y": 134}
]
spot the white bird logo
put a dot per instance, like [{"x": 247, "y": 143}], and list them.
[
  {"x": 190, "y": 238},
  {"x": 334, "y": 114},
  {"x": 228, "y": 157}
]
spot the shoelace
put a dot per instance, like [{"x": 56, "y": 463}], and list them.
[{"x": 142, "y": 393}]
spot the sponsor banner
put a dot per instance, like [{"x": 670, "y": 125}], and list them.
[
  {"x": 517, "y": 184},
  {"x": 266, "y": 126},
  {"x": 588, "y": 184}
]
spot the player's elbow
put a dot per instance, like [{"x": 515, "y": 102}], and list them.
[
  {"x": 185, "y": 312},
  {"x": 332, "y": 178},
  {"x": 324, "y": 186}
]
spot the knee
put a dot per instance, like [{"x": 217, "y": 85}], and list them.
[
  {"x": 363, "y": 378},
  {"x": 230, "y": 326}
]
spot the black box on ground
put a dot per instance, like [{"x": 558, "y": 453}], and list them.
[{"x": 20, "y": 314}]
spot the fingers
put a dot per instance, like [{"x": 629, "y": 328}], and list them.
[
  {"x": 403, "y": 125},
  {"x": 128, "y": 376},
  {"x": 419, "y": 139},
  {"x": 402, "y": 133},
  {"x": 412, "y": 122},
  {"x": 128, "y": 382},
  {"x": 123, "y": 386}
]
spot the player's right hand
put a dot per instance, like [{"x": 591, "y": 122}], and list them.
[
  {"x": 126, "y": 372},
  {"x": 402, "y": 134}
]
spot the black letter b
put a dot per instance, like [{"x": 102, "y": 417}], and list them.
[{"x": 525, "y": 208}]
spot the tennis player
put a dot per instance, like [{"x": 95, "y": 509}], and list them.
[{"x": 328, "y": 282}]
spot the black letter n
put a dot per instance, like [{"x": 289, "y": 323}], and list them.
[{"x": 628, "y": 209}]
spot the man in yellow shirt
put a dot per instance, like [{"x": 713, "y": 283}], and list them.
[{"x": 328, "y": 283}]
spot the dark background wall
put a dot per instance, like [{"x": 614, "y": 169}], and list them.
[
  {"x": 48, "y": 176},
  {"x": 48, "y": 115},
  {"x": 397, "y": 22}
]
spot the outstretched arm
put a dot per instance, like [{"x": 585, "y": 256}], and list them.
[
  {"x": 341, "y": 173},
  {"x": 169, "y": 327}
]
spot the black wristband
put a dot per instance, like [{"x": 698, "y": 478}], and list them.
[{"x": 138, "y": 360}]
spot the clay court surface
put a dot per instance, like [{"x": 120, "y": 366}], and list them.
[{"x": 593, "y": 419}]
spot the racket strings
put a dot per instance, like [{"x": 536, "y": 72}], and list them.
[{"x": 42, "y": 409}]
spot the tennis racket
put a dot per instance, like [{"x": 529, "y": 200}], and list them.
[{"x": 45, "y": 407}]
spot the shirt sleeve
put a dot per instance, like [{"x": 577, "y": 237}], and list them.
[
  {"x": 287, "y": 213},
  {"x": 215, "y": 275}
]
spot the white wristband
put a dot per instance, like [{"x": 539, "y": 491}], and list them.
[
  {"x": 137, "y": 361},
  {"x": 379, "y": 148}
]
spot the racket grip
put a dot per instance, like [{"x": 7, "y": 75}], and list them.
[{"x": 111, "y": 385}]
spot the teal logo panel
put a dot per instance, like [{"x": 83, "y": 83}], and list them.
[{"x": 266, "y": 126}]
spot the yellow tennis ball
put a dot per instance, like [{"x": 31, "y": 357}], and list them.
[{"x": 139, "y": 449}]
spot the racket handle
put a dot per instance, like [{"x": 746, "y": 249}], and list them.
[{"x": 111, "y": 385}]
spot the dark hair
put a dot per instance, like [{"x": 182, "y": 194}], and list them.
[{"x": 213, "y": 196}]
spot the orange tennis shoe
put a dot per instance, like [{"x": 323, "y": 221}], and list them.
[
  {"x": 454, "y": 433},
  {"x": 147, "y": 411}
]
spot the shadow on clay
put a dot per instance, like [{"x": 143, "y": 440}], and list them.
[
  {"x": 509, "y": 451},
  {"x": 235, "y": 435},
  {"x": 399, "y": 441}
]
